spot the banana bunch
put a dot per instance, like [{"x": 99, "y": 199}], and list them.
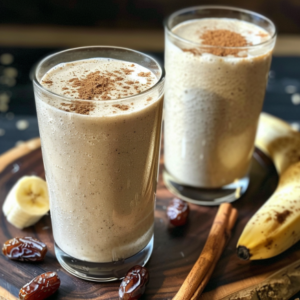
[
  {"x": 276, "y": 225},
  {"x": 26, "y": 202}
]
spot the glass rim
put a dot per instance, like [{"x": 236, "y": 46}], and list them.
[
  {"x": 66, "y": 98},
  {"x": 224, "y": 7}
]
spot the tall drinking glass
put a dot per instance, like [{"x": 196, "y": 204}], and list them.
[
  {"x": 217, "y": 61},
  {"x": 101, "y": 163}
]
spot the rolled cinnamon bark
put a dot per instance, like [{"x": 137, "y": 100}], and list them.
[
  {"x": 209, "y": 256},
  {"x": 225, "y": 239}
]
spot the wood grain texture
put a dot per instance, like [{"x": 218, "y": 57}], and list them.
[
  {"x": 5, "y": 295},
  {"x": 175, "y": 249},
  {"x": 227, "y": 289}
]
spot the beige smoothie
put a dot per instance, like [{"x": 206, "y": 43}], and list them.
[
  {"x": 101, "y": 156},
  {"x": 213, "y": 98}
]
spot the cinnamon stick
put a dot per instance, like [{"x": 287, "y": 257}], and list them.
[
  {"x": 232, "y": 219},
  {"x": 225, "y": 239},
  {"x": 215, "y": 241}
]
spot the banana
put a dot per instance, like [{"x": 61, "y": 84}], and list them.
[
  {"x": 279, "y": 141},
  {"x": 276, "y": 225},
  {"x": 26, "y": 202}
]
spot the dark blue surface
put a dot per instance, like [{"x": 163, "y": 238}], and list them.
[
  {"x": 285, "y": 74},
  {"x": 284, "y": 83}
]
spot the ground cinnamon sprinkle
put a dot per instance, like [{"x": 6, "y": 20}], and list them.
[
  {"x": 127, "y": 71},
  {"x": 220, "y": 38},
  {"x": 121, "y": 106},
  {"x": 93, "y": 85},
  {"x": 49, "y": 82},
  {"x": 144, "y": 74},
  {"x": 223, "y": 38},
  {"x": 80, "y": 107},
  {"x": 99, "y": 85},
  {"x": 262, "y": 34},
  {"x": 89, "y": 87}
]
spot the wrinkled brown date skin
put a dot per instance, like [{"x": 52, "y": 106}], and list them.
[
  {"x": 41, "y": 287},
  {"x": 134, "y": 284},
  {"x": 178, "y": 212},
  {"x": 24, "y": 249}
]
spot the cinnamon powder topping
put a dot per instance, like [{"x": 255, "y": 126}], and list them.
[
  {"x": 144, "y": 74},
  {"x": 80, "y": 107},
  {"x": 49, "y": 82},
  {"x": 223, "y": 38},
  {"x": 127, "y": 71},
  {"x": 220, "y": 38},
  {"x": 120, "y": 106},
  {"x": 93, "y": 85},
  {"x": 99, "y": 85},
  {"x": 262, "y": 35}
]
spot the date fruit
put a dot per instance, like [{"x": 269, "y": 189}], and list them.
[
  {"x": 134, "y": 284},
  {"x": 178, "y": 212},
  {"x": 40, "y": 287},
  {"x": 24, "y": 249}
]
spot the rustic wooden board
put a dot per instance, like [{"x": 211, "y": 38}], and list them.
[{"x": 175, "y": 249}]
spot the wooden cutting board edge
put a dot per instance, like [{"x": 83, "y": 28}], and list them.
[
  {"x": 13, "y": 154},
  {"x": 5, "y": 295},
  {"x": 17, "y": 152}
]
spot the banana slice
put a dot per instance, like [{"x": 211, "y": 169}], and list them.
[{"x": 26, "y": 202}]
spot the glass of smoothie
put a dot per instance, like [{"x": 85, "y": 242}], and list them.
[
  {"x": 217, "y": 61},
  {"x": 99, "y": 114}
]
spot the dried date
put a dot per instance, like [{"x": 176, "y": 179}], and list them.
[
  {"x": 134, "y": 284},
  {"x": 178, "y": 212},
  {"x": 24, "y": 249},
  {"x": 40, "y": 287}
]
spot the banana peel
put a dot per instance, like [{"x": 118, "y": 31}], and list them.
[
  {"x": 276, "y": 225},
  {"x": 278, "y": 140}
]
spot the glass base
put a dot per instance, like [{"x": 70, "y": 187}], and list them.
[
  {"x": 206, "y": 197},
  {"x": 102, "y": 272}
]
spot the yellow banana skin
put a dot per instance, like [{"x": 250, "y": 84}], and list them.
[
  {"x": 276, "y": 225},
  {"x": 279, "y": 141}
]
